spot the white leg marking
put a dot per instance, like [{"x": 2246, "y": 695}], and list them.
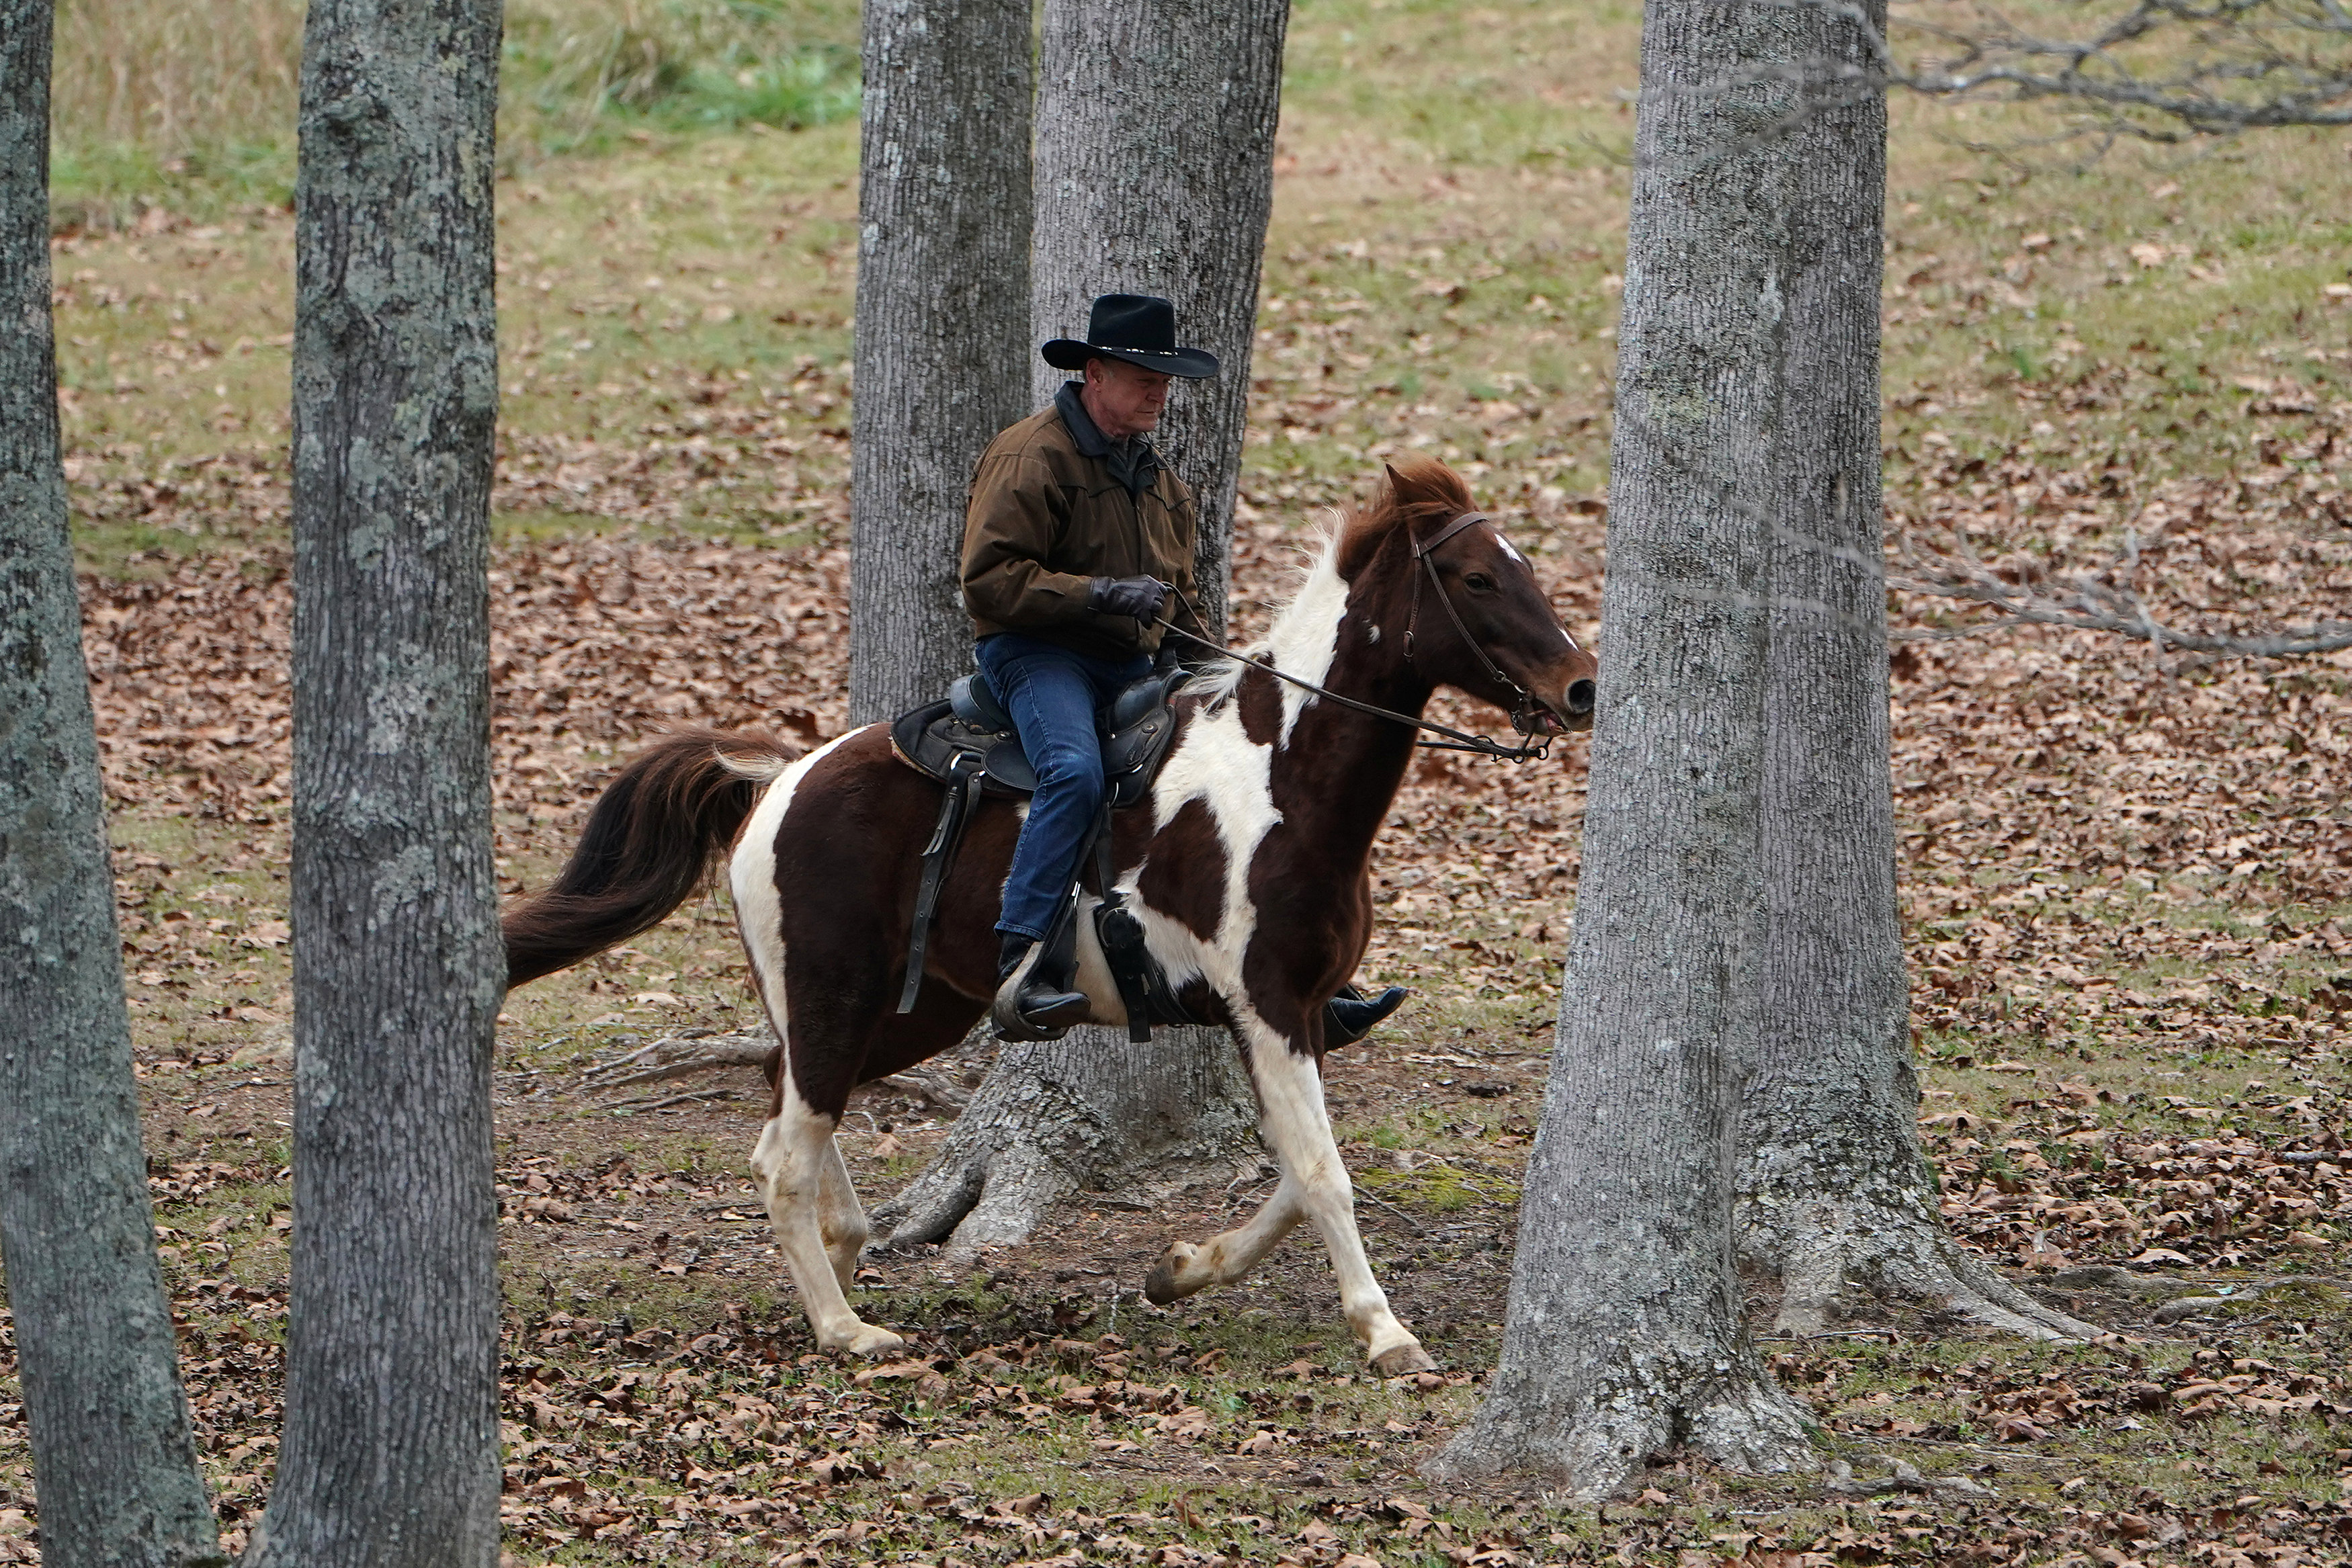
[
  {"x": 1294, "y": 1121},
  {"x": 792, "y": 1163},
  {"x": 1217, "y": 763},
  {"x": 1223, "y": 1260},
  {"x": 811, "y": 1206},
  {"x": 841, "y": 1219}
]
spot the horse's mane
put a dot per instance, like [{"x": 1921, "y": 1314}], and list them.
[
  {"x": 1415, "y": 493},
  {"x": 1418, "y": 490}
]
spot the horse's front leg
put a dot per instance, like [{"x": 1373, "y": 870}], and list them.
[
  {"x": 799, "y": 1165},
  {"x": 1314, "y": 1187}
]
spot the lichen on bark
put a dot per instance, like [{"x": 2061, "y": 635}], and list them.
[
  {"x": 113, "y": 1457},
  {"x": 1624, "y": 1334},
  {"x": 390, "y": 1451},
  {"x": 942, "y": 335},
  {"x": 1834, "y": 1190}
]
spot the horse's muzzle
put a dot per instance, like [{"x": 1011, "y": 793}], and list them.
[{"x": 1573, "y": 711}]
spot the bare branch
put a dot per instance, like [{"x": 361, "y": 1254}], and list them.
[
  {"x": 2102, "y": 607},
  {"x": 2157, "y": 70}
]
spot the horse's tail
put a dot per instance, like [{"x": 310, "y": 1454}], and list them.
[{"x": 651, "y": 843}]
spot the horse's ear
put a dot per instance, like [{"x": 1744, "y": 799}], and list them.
[{"x": 1398, "y": 496}]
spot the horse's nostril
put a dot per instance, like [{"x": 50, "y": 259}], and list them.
[{"x": 1580, "y": 698}]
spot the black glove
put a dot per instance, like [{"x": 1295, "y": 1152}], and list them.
[{"x": 1140, "y": 597}]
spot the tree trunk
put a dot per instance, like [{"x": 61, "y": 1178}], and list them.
[
  {"x": 1834, "y": 1187},
  {"x": 1155, "y": 175},
  {"x": 112, "y": 1455},
  {"x": 1624, "y": 1336},
  {"x": 1089, "y": 1112},
  {"x": 390, "y": 1453},
  {"x": 942, "y": 324}
]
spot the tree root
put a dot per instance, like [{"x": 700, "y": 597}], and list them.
[
  {"x": 1594, "y": 1442},
  {"x": 679, "y": 1056},
  {"x": 663, "y": 1101},
  {"x": 1821, "y": 1247},
  {"x": 1903, "y": 1476},
  {"x": 693, "y": 1052},
  {"x": 1092, "y": 1113},
  {"x": 2189, "y": 1306}
]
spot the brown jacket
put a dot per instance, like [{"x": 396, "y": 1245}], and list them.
[{"x": 1044, "y": 518}]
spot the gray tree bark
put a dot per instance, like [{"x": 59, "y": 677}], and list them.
[
  {"x": 943, "y": 337},
  {"x": 1089, "y": 1112},
  {"x": 390, "y": 1452},
  {"x": 1834, "y": 1186},
  {"x": 1154, "y": 176},
  {"x": 1625, "y": 1335},
  {"x": 112, "y": 1454}
]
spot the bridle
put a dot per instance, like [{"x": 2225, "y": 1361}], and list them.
[
  {"x": 1523, "y": 716},
  {"x": 1523, "y": 713}
]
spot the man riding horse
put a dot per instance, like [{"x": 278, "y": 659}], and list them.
[{"x": 1078, "y": 542}]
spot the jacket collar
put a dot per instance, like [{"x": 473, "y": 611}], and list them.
[
  {"x": 1090, "y": 440},
  {"x": 1134, "y": 463}
]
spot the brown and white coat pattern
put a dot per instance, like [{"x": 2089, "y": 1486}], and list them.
[
  {"x": 1250, "y": 874},
  {"x": 1239, "y": 892}
]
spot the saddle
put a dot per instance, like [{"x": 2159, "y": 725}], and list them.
[
  {"x": 938, "y": 739},
  {"x": 967, "y": 742}
]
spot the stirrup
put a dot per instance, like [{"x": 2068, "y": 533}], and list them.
[{"x": 1013, "y": 1024}]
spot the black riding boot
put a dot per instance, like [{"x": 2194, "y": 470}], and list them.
[
  {"x": 1043, "y": 1005},
  {"x": 1349, "y": 1016}
]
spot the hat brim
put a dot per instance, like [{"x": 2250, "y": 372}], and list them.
[{"x": 1192, "y": 364}]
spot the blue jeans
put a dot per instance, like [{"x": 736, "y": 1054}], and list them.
[{"x": 1053, "y": 694}]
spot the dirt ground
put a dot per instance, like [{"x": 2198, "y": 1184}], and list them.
[
  {"x": 2128, "y": 872},
  {"x": 2128, "y": 894}
]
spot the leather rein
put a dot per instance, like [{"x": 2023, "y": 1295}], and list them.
[{"x": 1523, "y": 717}]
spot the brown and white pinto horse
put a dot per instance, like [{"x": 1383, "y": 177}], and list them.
[{"x": 1250, "y": 872}]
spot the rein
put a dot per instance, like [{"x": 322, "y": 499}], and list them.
[{"x": 1539, "y": 746}]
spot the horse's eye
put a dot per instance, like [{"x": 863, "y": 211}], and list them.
[{"x": 1479, "y": 582}]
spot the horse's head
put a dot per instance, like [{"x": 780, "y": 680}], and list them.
[{"x": 1464, "y": 605}]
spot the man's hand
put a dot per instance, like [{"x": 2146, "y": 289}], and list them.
[{"x": 1140, "y": 597}]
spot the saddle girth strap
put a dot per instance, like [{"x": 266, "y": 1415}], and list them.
[{"x": 962, "y": 794}]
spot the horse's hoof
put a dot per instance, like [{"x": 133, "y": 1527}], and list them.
[
  {"x": 872, "y": 1344},
  {"x": 1164, "y": 1283},
  {"x": 1399, "y": 1360}
]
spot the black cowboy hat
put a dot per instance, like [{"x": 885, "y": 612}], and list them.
[{"x": 1139, "y": 328}]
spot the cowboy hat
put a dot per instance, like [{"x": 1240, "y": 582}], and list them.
[{"x": 1139, "y": 328}]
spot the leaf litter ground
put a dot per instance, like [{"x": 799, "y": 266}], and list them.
[
  {"x": 2127, "y": 890},
  {"x": 2127, "y": 876}
]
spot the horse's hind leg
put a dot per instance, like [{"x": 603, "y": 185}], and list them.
[
  {"x": 841, "y": 1219},
  {"x": 1315, "y": 1186},
  {"x": 798, "y": 1164},
  {"x": 1223, "y": 1260}
]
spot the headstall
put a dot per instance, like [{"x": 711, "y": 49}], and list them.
[{"x": 1524, "y": 717}]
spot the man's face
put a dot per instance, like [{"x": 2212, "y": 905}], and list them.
[{"x": 1124, "y": 400}]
